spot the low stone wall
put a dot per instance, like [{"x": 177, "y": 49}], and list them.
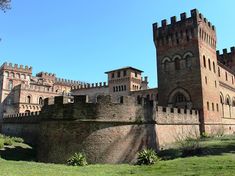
[
  {"x": 175, "y": 125},
  {"x": 22, "y": 125}
]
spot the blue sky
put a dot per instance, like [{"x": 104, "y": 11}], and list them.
[{"x": 81, "y": 39}]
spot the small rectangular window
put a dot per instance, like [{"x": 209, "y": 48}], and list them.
[
  {"x": 208, "y": 106},
  {"x": 112, "y": 75},
  {"x": 217, "y": 107},
  {"x": 213, "y": 108},
  {"x": 136, "y": 74},
  {"x": 119, "y": 74},
  {"x": 124, "y": 73}
]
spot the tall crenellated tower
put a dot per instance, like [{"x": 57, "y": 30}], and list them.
[
  {"x": 11, "y": 76},
  {"x": 187, "y": 65}
]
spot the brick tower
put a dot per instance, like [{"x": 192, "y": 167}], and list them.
[{"x": 187, "y": 66}]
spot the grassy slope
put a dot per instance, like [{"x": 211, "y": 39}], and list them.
[{"x": 219, "y": 160}]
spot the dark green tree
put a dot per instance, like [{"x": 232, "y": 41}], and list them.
[{"x": 5, "y": 4}]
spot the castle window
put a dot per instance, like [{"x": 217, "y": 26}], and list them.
[
  {"x": 40, "y": 101},
  {"x": 122, "y": 88},
  {"x": 213, "y": 108},
  {"x": 10, "y": 84},
  {"x": 214, "y": 67},
  {"x": 179, "y": 98},
  {"x": 204, "y": 61},
  {"x": 209, "y": 64},
  {"x": 218, "y": 71},
  {"x": 119, "y": 88},
  {"x": 226, "y": 76},
  {"x": 177, "y": 63},
  {"x": 118, "y": 74},
  {"x": 205, "y": 79},
  {"x": 228, "y": 100},
  {"x": 217, "y": 107},
  {"x": 17, "y": 75},
  {"x": 166, "y": 66},
  {"x": 136, "y": 74},
  {"x": 116, "y": 88},
  {"x": 28, "y": 99},
  {"x": 124, "y": 73},
  {"x": 112, "y": 75},
  {"x": 208, "y": 106},
  {"x": 113, "y": 89}
]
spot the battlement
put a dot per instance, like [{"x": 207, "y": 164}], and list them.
[
  {"x": 167, "y": 115},
  {"x": 184, "y": 27},
  {"x": 16, "y": 67},
  {"x": 36, "y": 88},
  {"x": 225, "y": 52},
  {"x": 90, "y": 86},
  {"x": 32, "y": 117},
  {"x": 45, "y": 74},
  {"x": 68, "y": 82}
]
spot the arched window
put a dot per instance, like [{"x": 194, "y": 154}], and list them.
[
  {"x": 228, "y": 102},
  {"x": 188, "y": 59},
  {"x": 7, "y": 74},
  {"x": 17, "y": 75},
  {"x": 40, "y": 101},
  {"x": 10, "y": 84},
  {"x": 209, "y": 64},
  {"x": 221, "y": 98},
  {"x": 177, "y": 63},
  {"x": 165, "y": 63},
  {"x": 214, "y": 67},
  {"x": 204, "y": 61},
  {"x": 28, "y": 99}
]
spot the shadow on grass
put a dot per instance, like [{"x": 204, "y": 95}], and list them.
[
  {"x": 218, "y": 146},
  {"x": 18, "y": 153}
]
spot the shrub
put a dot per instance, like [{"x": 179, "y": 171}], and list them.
[
  {"x": 8, "y": 141},
  {"x": 17, "y": 139},
  {"x": 78, "y": 159},
  {"x": 190, "y": 147},
  {"x": 147, "y": 157},
  {"x": 205, "y": 135},
  {"x": 1, "y": 143}
]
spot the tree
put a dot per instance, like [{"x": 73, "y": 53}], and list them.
[{"x": 5, "y": 4}]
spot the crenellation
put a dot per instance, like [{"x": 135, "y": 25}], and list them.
[
  {"x": 164, "y": 23},
  {"x": 183, "y": 16},
  {"x": 173, "y": 20}
]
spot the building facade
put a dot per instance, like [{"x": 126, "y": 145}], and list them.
[{"x": 21, "y": 92}]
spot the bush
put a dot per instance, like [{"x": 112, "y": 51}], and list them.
[
  {"x": 8, "y": 141},
  {"x": 190, "y": 147},
  {"x": 78, "y": 159},
  {"x": 1, "y": 143},
  {"x": 17, "y": 139},
  {"x": 147, "y": 157}
]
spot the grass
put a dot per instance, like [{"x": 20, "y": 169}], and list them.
[{"x": 217, "y": 159}]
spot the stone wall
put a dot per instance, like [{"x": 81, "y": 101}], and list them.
[
  {"x": 22, "y": 125},
  {"x": 106, "y": 132}
]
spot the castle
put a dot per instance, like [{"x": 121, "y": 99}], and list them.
[{"x": 112, "y": 121}]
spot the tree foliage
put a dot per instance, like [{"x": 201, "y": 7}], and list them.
[{"x": 5, "y": 4}]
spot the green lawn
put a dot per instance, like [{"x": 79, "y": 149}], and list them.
[{"x": 217, "y": 159}]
